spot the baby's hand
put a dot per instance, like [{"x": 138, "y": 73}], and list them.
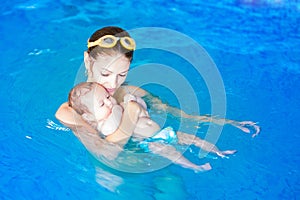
[
  {"x": 139, "y": 100},
  {"x": 129, "y": 97}
]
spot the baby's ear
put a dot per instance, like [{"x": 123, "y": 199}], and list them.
[{"x": 87, "y": 117}]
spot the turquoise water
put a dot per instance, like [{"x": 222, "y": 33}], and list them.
[{"x": 256, "y": 47}]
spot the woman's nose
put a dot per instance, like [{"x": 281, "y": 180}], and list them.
[{"x": 113, "y": 81}]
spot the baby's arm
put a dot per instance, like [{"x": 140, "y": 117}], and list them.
[
  {"x": 145, "y": 126},
  {"x": 128, "y": 123}
]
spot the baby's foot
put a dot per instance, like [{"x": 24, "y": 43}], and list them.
[
  {"x": 229, "y": 152},
  {"x": 223, "y": 154},
  {"x": 203, "y": 168}
]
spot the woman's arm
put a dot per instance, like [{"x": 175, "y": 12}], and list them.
[
  {"x": 90, "y": 137},
  {"x": 96, "y": 145},
  {"x": 66, "y": 115},
  {"x": 156, "y": 104}
]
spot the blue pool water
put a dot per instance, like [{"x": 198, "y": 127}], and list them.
[{"x": 255, "y": 45}]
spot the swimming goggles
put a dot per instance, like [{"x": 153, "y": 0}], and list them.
[{"x": 109, "y": 41}]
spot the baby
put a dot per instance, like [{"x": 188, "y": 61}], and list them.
[{"x": 101, "y": 111}]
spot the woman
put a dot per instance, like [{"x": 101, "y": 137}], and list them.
[{"x": 107, "y": 61}]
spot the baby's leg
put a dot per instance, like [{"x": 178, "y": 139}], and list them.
[
  {"x": 172, "y": 154},
  {"x": 146, "y": 128},
  {"x": 188, "y": 139}
]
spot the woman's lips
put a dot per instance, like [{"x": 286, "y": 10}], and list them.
[{"x": 111, "y": 90}]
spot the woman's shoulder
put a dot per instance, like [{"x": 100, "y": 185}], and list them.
[{"x": 134, "y": 90}]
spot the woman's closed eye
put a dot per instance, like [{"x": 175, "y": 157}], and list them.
[
  {"x": 105, "y": 74},
  {"x": 123, "y": 74}
]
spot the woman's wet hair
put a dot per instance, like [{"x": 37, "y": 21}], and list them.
[{"x": 109, "y": 30}]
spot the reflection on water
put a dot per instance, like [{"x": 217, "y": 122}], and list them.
[
  {"x": 133, "y": 161},
  {"x": 108, "y": 180},
  {"x": 169, "y": 185},
  {"x": 161, "y": 184},
  {"x": 39, "y": 60}
]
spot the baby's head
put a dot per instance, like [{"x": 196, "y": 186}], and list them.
[{"x": 91, "y": 101}]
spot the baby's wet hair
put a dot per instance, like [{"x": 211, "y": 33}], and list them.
[{"x": 77, "y": 93}]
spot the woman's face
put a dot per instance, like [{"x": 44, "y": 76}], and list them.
[{"x": 108, "y": 70}]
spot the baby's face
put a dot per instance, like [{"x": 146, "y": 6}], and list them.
[{"x": 102, "y": 103}]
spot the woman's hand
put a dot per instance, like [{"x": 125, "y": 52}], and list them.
[{"x": 246, "y": 126}]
